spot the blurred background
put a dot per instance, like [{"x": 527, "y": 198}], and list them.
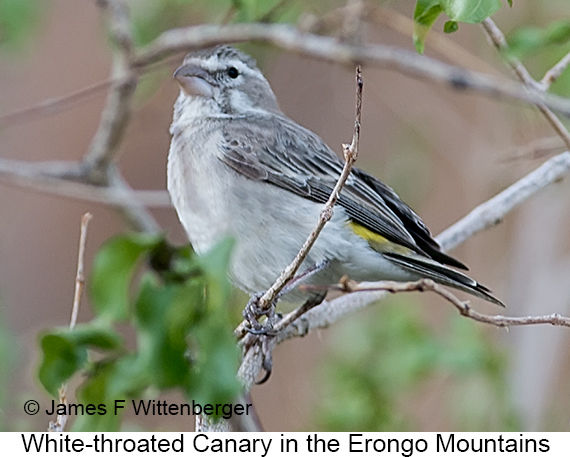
[{"x": 407, "y": 363}]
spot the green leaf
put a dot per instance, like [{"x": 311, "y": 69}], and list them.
[
  {"x": 95, "y": 334},
  {"x": 217, "y": 358},
  {"x": 174, "y": 264},
  {"x": 62, "y": 357},
  {"x": 425, "y": 14},
  {"x": 161, "y": 345},
  {"x": 450, "y": 27},
  {"x": 217, "y": 362},
  {"x": 510, "y": 3},
  {"x": 529, "y": 40},
  {"x": 113, "y": 269},
  {"x": 97, "y": 390},
  {"x": 470, "y": 11}
]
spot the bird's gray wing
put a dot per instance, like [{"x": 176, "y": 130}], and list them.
[{"x": 277, "y": 150}]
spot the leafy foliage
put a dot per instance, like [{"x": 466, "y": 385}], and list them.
[
  {"x": 182, "y": 301},
  {"x": 427, "y": 11}
]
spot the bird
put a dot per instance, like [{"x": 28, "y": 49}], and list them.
[{"x": 239, "y": 167}]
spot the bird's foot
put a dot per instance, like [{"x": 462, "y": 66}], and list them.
[
  {"x": 252, "y": 312},
  {"x": 265, "y": 339}
]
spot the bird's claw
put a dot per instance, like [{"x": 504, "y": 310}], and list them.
[{"x": 267, "y": 364}]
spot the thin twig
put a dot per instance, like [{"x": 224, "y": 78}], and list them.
[
  {"x": 462, "y": 306},
  {"x": 554, "y": 73},
  {"x": 536, "y": 149},
  {"x": 53, "y": 105},
  {"x": 80, "y": 276},
  {"x": 61, "y": 420},
  {"x": 350, "y": 155},
  {"x": 363, "y": 295},
  {"x": 500, "y": 42}
]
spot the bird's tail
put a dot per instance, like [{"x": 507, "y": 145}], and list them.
[{"x": 428, "y": 268}]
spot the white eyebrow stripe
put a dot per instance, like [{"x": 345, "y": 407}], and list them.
[{"x": 213, "y": 64}]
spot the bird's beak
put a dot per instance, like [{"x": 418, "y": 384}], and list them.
[{"x": 194, "y": 80}]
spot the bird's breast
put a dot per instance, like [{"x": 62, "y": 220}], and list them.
[{"x": 198, "y": 185}]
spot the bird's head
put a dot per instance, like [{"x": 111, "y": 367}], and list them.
[{"x": 225, "y": 79}]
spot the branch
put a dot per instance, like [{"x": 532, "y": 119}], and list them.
[
  {"x": 321, "y": 47},
  {"x": 61, "y": 420},
  {"x": 98, "y": 162},
  {"x": 117, "y": 110},
  {"x": 80, "y": 275},
  {"x": 363, "y": 295},
  {"x": 65, "y": 179}
]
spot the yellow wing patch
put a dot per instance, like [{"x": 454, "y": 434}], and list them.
[{"x": 376, "y": 241}]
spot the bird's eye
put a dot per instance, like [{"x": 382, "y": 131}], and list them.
[{"x": 233, "y": 72}]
